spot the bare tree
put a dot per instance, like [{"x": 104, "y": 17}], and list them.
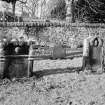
[
  {"x": 90, "y": 10},
  {"x": 30, "y": 7},
  {"x": 13, "y": 2}
]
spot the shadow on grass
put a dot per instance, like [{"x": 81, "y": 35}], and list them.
[{"x": 45, "y": 72}]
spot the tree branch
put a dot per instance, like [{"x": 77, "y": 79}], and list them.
[
  {"x": 23, "y": 1},
  {"x": 27, "y": 7}
]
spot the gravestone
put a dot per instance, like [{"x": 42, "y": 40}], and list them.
[
  {"x": 18, "y": 68},
  {"x": 97, "y": 56},
  {"x": 93, "y": 55},
  {"x": 59, "y": 52}
]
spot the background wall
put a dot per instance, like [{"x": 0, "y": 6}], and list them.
[{"x": 71, "y": 36}]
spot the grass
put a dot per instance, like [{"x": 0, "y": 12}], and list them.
[{"x": 55, "y": 89}]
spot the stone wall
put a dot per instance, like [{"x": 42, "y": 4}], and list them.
[{"x": 71, "y": 36}]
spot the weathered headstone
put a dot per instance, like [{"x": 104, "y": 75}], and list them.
[
  {"x": 58, "y": 52},
  {"x": 93, "y": 57},
  {"x": 86, "y": 59},
  {"x": 18, "y": 68},
  {"x": 96, "y": 55}
]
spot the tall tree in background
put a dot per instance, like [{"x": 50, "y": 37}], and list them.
[
  {"x": 83, "y": 10},
  {"x": 90, "y": 10},
  {"x": 13, "y": 2},
  {"x": 56, "y": 9},
  {"x": 30, "y": 7},
  {"x": 46, "y": 8}
]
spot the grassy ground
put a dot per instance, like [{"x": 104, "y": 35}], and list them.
[
  {"x": 58, "y": 89},
  {"x": 55, "y": 89}
]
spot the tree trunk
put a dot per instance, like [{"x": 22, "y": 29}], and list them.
[
  {"x": 72, "y": 11},
  {"x": 13, "y": 8}
]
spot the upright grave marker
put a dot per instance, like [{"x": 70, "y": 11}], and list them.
[
  {"x": 93, "y": 55},
  {"x": 96, "y": 55}
]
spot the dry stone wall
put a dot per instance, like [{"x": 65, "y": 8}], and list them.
[{"x": 71, "y": 36}]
